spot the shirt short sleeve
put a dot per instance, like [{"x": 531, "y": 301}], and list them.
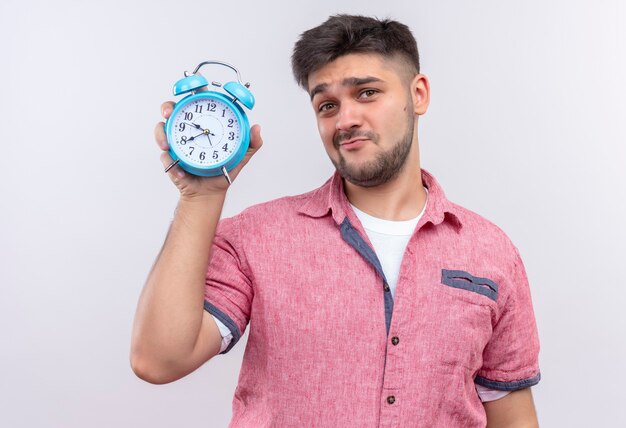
[
  {"x": 510, "y": 359},
  {"x": 228, "y": 290}
]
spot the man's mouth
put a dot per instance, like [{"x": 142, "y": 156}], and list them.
[
  {"x": 353, "y": 139},
  {"x": 353, "y": 143}
]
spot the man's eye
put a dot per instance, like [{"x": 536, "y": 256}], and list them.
[
  {"x": 325, "y": 107},
  {"x": 367, "y": 93}
]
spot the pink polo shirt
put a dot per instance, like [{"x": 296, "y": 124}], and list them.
[{"x": 330, "y": 347}]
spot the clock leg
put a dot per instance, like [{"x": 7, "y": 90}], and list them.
[
  {"x": 226, "y": 175},
  {"x": 172, "y": 165}
]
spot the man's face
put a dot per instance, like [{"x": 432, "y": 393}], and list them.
[{"x": 365, "y": 116}]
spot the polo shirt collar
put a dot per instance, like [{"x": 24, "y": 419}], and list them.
[{"x": 331, "y": 198}]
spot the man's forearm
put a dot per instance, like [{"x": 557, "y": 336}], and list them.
[{"x": 170, "y": 309}]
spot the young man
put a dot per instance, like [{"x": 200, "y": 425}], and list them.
[{"x": 372, "y": 300}]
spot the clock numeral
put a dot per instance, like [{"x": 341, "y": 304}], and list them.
[
  {"x": 198, "y": 108},
  {"x": 183, "y": 140},
  {"x": 230, "y": 123},
  {"x": 215, "y": 154},
  {"x": 181, "y": 127},
  {"x": 231, "y": 136},
  {"x": 225, "y": 147},
  {"x": 202, "y": 155},
  {"x": 211, "y": 107},
  {"x": 191, "y": 149},
  {"x": 223, "y": 112},
  {"x": 188, "y": 115}
]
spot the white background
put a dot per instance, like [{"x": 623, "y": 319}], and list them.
[{"x": 525, "y": 127}]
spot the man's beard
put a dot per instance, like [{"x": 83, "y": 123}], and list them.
[{"x": 386, "y": 166}]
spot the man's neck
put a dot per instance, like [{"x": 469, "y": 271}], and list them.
[{"x": 401, "y": 198}]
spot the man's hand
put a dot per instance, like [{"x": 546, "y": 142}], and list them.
[
  {"x": 191, "y": 186},
  {"x": 515, "y": 410}
]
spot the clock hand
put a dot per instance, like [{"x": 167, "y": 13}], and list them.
[
  {"x": 195, "y": 136},
  {"x": 194, "y": 125}
]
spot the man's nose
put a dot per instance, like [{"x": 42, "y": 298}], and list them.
[{"x": 349, "y": 117}]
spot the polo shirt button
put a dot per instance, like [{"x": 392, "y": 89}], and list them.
[
  {"x": 395, "y": 340},
  {"x": 391, "y": 399},
  {"x": 386, "y": 287}
]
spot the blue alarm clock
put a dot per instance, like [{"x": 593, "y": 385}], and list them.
[{"x": 208, "y": 132}]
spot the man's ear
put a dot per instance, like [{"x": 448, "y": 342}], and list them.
[{"x": 420, "y": 93}]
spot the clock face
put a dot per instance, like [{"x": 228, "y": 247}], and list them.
[{"x": 205, "y": 132}]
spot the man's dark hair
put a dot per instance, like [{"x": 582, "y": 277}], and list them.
[{"x": 345, "y": 34}]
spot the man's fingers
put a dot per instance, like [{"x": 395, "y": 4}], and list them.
[
  {"x": 255, "y": 137},
  {"x": 159, "y": 131},
  {"x": 159, "y": 136},
  {"x": 167, "y": 108},
  {"x": 175, "y": 172}
]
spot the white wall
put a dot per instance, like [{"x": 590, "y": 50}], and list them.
[{"x": 525, "y": 127}]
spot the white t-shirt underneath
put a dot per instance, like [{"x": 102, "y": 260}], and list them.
[{"x": 389, "y": 239}]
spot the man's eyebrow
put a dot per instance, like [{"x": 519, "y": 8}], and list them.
[
  {"x": 357, "y": 81},
  {"x": 317, "y": 89},
  {"x": 350, "y": 81}
]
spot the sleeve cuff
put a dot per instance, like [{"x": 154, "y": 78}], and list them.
[
  {"x": 226, "y": 321},
  {"x": 508, "y": 386}
]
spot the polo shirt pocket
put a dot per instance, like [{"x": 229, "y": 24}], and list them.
[
  {"x": 466, "y": 281},
  {"x": 459, "y": 319}
]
